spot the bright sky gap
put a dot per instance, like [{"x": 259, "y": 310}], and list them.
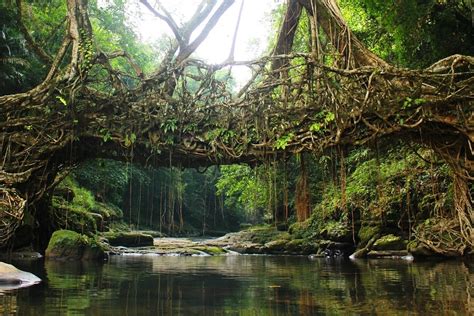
[{"x": 252, "y": 38}]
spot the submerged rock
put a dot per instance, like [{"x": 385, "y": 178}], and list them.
[
  {"x": 12, "y": 278},
  {"x": 69, "y": 245},
  {"x": 395, "y": 254}
]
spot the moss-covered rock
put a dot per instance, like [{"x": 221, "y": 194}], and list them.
[
  {"x": 68, "y": 216},
  {"x": 75, "y": 208},
  {"x": 263, "y": 234},
  {"x": 276, "y": 246},
  {"x": 153, "y": 233},
  {"x": 129, "y": 239},
  {"x": 70, "y": 245},
  {"x": 366, "y": 233},
  {"x": 389, "y": 242},
  {"x": 210, "y": 250}
]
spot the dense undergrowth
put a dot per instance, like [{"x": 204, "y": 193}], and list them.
[{"x": 388, "y": 192}]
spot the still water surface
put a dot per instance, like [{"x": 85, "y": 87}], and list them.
[{"x": 244, "y": 285}]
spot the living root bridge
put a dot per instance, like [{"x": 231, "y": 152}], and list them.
[{"x": 300, "y": 103}]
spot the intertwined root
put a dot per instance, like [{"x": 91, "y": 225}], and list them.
[
  {"x": 451, "y": 234},
  {"x": 12, "y": 207}
]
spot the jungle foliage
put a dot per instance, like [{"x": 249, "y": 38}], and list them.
[{"x": 324, "y": 188}]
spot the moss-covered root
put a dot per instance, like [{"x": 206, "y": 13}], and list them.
[{"x": 69, "y": 245}]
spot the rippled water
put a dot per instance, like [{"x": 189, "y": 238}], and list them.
[{"x": 244, "y": 285}]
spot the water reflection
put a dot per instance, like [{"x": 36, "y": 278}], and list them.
[{"x": 244, "y": 285}]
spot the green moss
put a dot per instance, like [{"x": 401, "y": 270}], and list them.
[
  {"x": 119, "y": 226},
  {"x": 108, "y": 211},
  {"x": 264, "y": 234},
  {"x": 69, "y": 217},
  {"x": 153, "y": 233},
  {"x": 366, "y": 233},
  {"x": 70, "y": 245},
  {"x": 277, "y": 246},
  {"x": 129, "y": 239},
  {"x": 83, "y": 213},
  {"x": 390, "y": 242},
  {"x": 67, "y": 238}
]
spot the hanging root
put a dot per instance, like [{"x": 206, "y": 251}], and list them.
[{"x": 12, "y": 207}]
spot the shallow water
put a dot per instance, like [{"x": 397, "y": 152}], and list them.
[{"x": 244, "y": 285}]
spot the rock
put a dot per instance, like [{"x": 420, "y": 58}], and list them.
[
  {"x": 215, "y": 233},
  {"x": 22, "y": 254},
  {"x": 389, "y": 242},
  {"x": 301, "y": 246},
  {"x": 366, "y": 233},
  {"x": 419, "y": 250},
  {"x": 129, "y": 239},
  {"x": 12, "y": 278},
  {"x": 247, "y": 248},
  {"x": 152, "y": 233},
  {"x": 387, "y": 253},
  {"x": 69, "y": 245},
  {"x": 276, "y": 246},
  {"x": 210, "y": 250}
]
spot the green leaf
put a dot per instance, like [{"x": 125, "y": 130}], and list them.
[
  {"x": 315, "y": 127},
  {"x": 62, "y": 100},
  {"x": 283, "y": 142},
  {"x": 329, "y": 117}
]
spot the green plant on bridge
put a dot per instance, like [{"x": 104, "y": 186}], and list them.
[
  {"x": 283, "y": 141},
  {"x": 324, "y": 119}
]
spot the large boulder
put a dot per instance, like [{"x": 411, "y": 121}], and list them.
[
  {"x": 69, "y": 245},
  {"x": 13, "y": 278},
  {"x": 129, "y": 239}
]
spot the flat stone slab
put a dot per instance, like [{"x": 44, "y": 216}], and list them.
[{"x": 12, "y": 278}]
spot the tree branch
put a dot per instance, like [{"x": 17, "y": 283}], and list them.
[
  {"x": 183, "y": 54},
  {"x": 40, "y": 52},
  {"x": 287, "y": 32},
  {"x": 234, "y": 39},
  {"x": 201, "y": 13},
  {"x": 168, "y": 19}
]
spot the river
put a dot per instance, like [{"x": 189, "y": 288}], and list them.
[{"x": 243, "y": 285}]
